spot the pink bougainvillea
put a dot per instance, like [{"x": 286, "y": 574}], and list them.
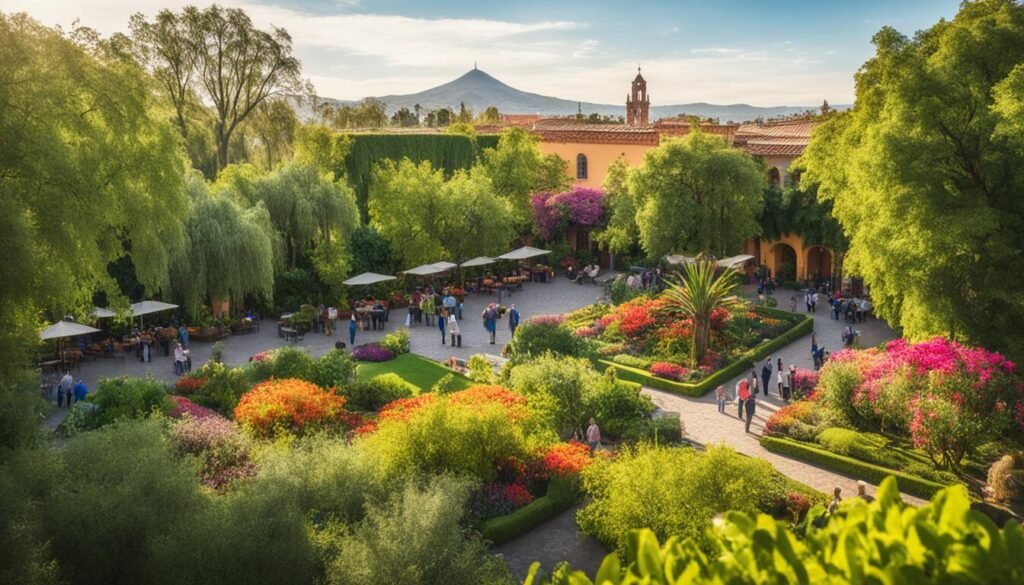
[{"x": 553, "y": 212}]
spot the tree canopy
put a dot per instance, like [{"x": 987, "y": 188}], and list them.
[
  {"x": 926, "y": 173},
  {"x": 620, "y": 233},
  {"x": 518, "y": 168},
  {"x": 90, "y": 171},
  {"x": 696, "y": 194}
]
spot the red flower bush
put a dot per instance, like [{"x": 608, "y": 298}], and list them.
[
  {"x": 403, "y": 408},
  {"x": 564, "y": 459},
  {"x": 481, "y": 394},
  {"x": 185, "y": 407},
  {"x": 189, "y": 384},
  {"x": 293, "y": 406},
  {"x": 799, "y": 420},
  {"x": 669, "y": 371}
]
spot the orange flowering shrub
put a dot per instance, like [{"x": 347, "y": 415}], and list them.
[
  {"x": 292, "y": 406},
  {"x": 563, "y": 459},
  {"x": 403, "y": 408},
  {"x": 482, "y": 394}
]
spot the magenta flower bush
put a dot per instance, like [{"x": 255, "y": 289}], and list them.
[
  {"x": 185, "y": 407},
  {"x": 669, "y": 371},
  {"x": 554, "y": 212},
  {"x": 220, "y": 446},
  {"x": 371, "y": 352},
  {"x": 949, "y": 398}
]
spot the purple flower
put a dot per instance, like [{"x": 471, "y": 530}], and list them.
[
  {"x": 371, "y": 352},
  {"x": 553, "y": 212}
]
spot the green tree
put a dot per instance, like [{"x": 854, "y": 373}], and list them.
[
  {"x": 90, "y": 172},
  {"x": 620, "y": 234},
  {"x": 271, "y": 132},
  {"x": 229, "y": 251},
  {"x": 404, "y": 118},
  {"x": 926, "y": 172},
  {"x": 477, "y": 221},
  {"x": 490, "y": 115},
  {"x": 518, "y": 169},
  {"x": 218, "y": 55},
  {"x": 405, "y": 208},
  {"x": 465, "y": 114},
  {"x": 698, "y": 195},
  {"x": 319, "y": 146},
  {"x": 702, "y": 290}
]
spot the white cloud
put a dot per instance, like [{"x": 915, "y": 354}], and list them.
[{"x": 349, "y": 56}]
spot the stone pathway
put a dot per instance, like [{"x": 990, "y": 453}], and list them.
[
  {"x": 551, "y": 543},
  {"x": 702, "y": 422}
]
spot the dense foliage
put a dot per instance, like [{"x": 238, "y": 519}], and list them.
[{"x": 924, "y": 175}]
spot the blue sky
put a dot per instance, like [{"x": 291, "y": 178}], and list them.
[{"x": 718, "y": 51}]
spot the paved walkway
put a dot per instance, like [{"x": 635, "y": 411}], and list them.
[
  {"x": 703, "y": 424},
  {"x": 551, "y": 543}
]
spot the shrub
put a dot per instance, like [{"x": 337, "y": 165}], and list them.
[
  {"x": 374, "y": 393},
  {"x": 663, "y": 430},
  {"x": 540, "y": 335},
  {"x": 185, "y": 407},
  {"x": 397, "y": 342},
  {"x": 217, "y": 352},
  {"x": 220, "y": 447},
  {"x": 415, "y": 538},
  {"x": 557, "y": 388},
  {"x": 564, "y": 459},
  {"x": 963, "y": 547},
  {"x": 618, "y": 406},
  {"x": 801, "y": 420},
  {"x": 669, "y": 371},
  {"x": 371, "y": 352},
  {"x": 83, "y": 417},
  {"x": 222, "y": 389},
  {"x": 189, "y": 383},
  {"x": 804, "y": 382},
  {"x": 334, "y": 369},
  {"x": 129, "y": 398},
  {"x": 285, "y": 362},
  {"x": 21, "y": 408},
  {"x": 292, "y": 406},
  {"x": 480, "y": 369},
  {"x": 673, "y": 491},
  {"x": 633, "y": 361}
]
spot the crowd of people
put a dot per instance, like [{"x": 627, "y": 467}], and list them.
[{"x": 747, "y": 390}]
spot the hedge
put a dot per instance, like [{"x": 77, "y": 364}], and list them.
[
  {"x": 448, "y": 152},
  {"x": 804, "y": 326},
  {"x": 911, "y": 484},
  {"x": 561, "y": 495}
]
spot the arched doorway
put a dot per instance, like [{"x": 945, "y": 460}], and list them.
[
  {"x": 785, "y": 263},
  {"x": 774, "y": 177},
  {"x": 819, "y": 264}
]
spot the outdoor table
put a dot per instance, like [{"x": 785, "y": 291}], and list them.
[
  {"x": 290, "y": 334},
  {"x": 49, "y": 364}
]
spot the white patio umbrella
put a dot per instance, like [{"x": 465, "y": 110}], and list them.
[
  {"x": 735, "y": 261},
  {"x": 478, "y": 261},
  {"x": 62, "y": 329},
  {"x": 101, "y": 313},
  {"x": 368, "y": 278},
  {"x": 146, "y": 307},
  {"x": 429, "y": 269},
  {"x": 524, "y": 253}
]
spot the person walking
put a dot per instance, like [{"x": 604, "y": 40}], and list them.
[
  {"x": 790, "y": 387},
  {"x": 353, "y": 326},
  {"x": 720, "y": 397},
  {"x": 792, "y": 303},
  {"x": 490, "y": 317},
  {"x": 593, "y": 435},
  {"x": 453, "y": 330},
  {"x": 427, "y": 308},
  {"x": 441, "y": 322},
  {"x": 188, "y": 358},
  {"x": 449, "y": 302},
  {"x": 751, "y": 406},
  {"x": 837, "y": 497},
  {"x": 513, "y": 320},
  {"x": 742, "y": 394},
  {"x": 766, "y": 375},
  {"x": 814, "y": 350},
  {"x": 65, "y": 388},
  {"x": 179, "y": 359},
  {"x": 183, "y": 334}
]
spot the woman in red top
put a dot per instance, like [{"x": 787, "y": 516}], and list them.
[{"x": 743, "y": 391}]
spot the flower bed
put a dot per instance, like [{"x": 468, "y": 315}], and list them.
[
  {"x": 293, "y": 406},
  {"x": 371, "y": 352}
]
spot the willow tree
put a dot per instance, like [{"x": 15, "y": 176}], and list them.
[
  {"x": 229, "y": 251},
  {"x": 702, "y": 290},
  {"x": 697, "y": 194},
  {"x": 90, "y": 172},
  {"x": 926, "y": 174}
]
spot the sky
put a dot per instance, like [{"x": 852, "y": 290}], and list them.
[{"x": 759, "y": 52}]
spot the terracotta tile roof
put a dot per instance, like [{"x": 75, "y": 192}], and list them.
[
  {"x": 784, "y": 138},
  {"x": 521, "y": 119},
  {"x": 569, "y": 132},
  {"x": 683, "y": 127}
]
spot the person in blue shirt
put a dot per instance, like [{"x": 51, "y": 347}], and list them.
[
  {"x": 80, "y": 391},
  {"x": 183, "y": 334},
  {"x": 513, "y": 319}
]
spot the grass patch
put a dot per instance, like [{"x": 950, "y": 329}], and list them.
[{"x": 416, "y": 370}]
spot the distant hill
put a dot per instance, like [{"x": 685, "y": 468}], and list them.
[{"x": 478, "y": 90}]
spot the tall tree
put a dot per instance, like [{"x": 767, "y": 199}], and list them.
[
  {"x": 271, "y": 132},
  {"x": 229, "y": 252},
  {"x": 220, "y": 56},
  {"x": 90, "y": 172},
  {"x": 319, "y": 146},
  {"x": 518, "y": 168},
  {"x": 404, "y": 207},
  {"x": 620, "y": 234},
  {"x": 926, "y": 174},
  {"x": 490, "y": 115},
  {"x": 477, "y": 221},
  {"x": 698, "y": 194}
]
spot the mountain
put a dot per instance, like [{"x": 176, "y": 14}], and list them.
[{"x": 478, "y": 90}]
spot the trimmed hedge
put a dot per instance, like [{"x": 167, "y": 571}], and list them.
[
  {"x": 911, "y": 484},
  {"x": 698, "y": 389},
  {"x": 561, "y": 495}
]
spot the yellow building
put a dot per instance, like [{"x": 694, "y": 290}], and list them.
[{"x": 591, "y": 148}]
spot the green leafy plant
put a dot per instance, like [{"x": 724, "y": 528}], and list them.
[
  {"x": 374, "y": 393},
  {"x": 701, "y": 291},
  {"x": 128, "y": 398},
  {"x": 397, "y": 342},
  {"x": 480, "y": 369}
]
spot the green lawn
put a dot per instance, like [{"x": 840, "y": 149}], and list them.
[{"x": 417, "y": 370}]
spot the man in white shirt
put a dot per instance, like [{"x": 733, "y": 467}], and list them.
[{"x": 66, "y": 389}]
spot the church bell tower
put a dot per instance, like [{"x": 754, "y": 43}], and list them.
[{"x": 638, "y": 105}]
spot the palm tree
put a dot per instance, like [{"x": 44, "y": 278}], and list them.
[{"x": 701, "y": 291}]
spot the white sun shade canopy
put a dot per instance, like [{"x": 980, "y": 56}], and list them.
[
  {"x": 146, "y": 307},
  {"x": 478, "y": 261},
  {"x": 735, "y": 261},
  {"x": 428, "y": 269},
  {"x": 101, "y": 313},
  {"x": 368, "y": 278},
  {"x": 524, "y": 253},
  {"x": 66, "y": 329}
]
